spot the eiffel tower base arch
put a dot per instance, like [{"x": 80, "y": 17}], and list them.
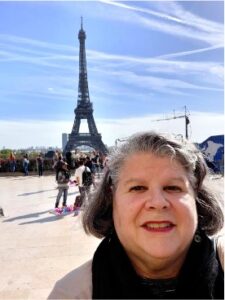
[{"x": 86, "y": 139}]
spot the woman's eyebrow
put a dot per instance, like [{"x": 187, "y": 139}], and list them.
[
  {"x": 180, "y": 179},
  {"x": 133, "y": 180}
]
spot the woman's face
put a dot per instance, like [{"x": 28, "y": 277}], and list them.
[{"x": 154, "y": 213}]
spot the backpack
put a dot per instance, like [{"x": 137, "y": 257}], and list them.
[
  {"x": 87, "y": 178},
  {"x": 63, "y": 177},
  {"x": 58, "y": 165}
]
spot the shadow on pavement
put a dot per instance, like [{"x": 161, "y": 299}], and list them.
[
  {"x": 48, "y": 219},
  {"x": 38, "y": 220},
  {"x": 38, "y": 192},
  {"x": 34, "y": 215}
]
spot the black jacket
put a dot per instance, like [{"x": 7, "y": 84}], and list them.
[{"x": 113, "y": 276}]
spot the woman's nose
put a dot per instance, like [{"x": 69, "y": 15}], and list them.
[{"x": 156, "y": 199}]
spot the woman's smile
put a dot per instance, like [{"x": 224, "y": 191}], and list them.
[{"x": 158, "y": 226}]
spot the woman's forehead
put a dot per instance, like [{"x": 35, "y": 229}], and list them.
[
  {"x": 148, "y": 156},
  {"x": 148, "y": 161}
]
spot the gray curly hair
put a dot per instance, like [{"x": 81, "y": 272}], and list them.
[{"x": 97, "y": 218}]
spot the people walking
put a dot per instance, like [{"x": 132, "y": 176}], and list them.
[
  {"x": 95, "y": 161},
  {"x": 84, "y": 180},
  {"x": 12, "y": 162},
  {"x": 57, "y": 166},
  {"x": 40, "y": 163},
  {"x": 26, "y": 165},
  {"x": 63, "y": 179},
  {"x": 1, "y": 212},
  {"x": 90, "y": 165}
]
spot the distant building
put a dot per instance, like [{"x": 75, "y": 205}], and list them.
[
  {"x": 213, "y": 149},
  {"x": 64, "y": 140}
]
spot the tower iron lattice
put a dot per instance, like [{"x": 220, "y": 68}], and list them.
[{"x": 84, "y": 109}]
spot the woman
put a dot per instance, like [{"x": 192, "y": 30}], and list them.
[
  {"x": 156, "y": 212},
  {"x": 63, "y": 184},
  {"x": 26, "y": 165},
  {"x": 12, "y": 162}
]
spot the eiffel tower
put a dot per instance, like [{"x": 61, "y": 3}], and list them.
[{"x": 84, "y": 109}]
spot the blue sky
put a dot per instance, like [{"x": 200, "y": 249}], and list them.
[{"x": 146, "y": 60}]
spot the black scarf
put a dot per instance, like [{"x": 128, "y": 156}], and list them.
[{"x": 113, "y": 276}]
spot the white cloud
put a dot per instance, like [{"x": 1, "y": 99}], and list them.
[
  {"x": 22, "y": 134},
  {"x": 13, "y": 39},
  {"x": 108, "y": 65},
  {"x": 176, "y": 9},
  {"x": 173, "y": 19},
  {"x": 202, "y": 125},
  {"x": 190, "y": 52},
  {"x": 160, "y": 84}
]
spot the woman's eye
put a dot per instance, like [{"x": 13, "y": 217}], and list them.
[
  {"x": 173, "y": 188},
  {"x": 137, "y": 188}
]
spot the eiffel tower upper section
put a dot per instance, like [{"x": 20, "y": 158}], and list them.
[
  {"x": 84, "y": 106},
  {"x": 84, "y": 109}
]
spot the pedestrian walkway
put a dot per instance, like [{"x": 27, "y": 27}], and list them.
[{"x": 36, "y": 247}]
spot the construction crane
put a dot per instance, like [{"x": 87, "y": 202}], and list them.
[
  {"x": 185, "y": 116},
  {"x": 120, "y": 140}
]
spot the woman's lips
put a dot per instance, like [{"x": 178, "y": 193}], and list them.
[{"x": 158, "y": 226}]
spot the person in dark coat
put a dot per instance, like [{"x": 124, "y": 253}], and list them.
[{"x": 40, "y": 164}]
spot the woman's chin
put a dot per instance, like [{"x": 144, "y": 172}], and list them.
[{"x": 162, "y": 250}]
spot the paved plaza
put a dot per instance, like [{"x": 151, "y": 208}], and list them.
[{"x": 36, "y": 247}]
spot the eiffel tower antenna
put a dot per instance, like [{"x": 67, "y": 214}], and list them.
[
  {"x": 81, "y": 24},
  {"x": 84, "y": 109}
]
